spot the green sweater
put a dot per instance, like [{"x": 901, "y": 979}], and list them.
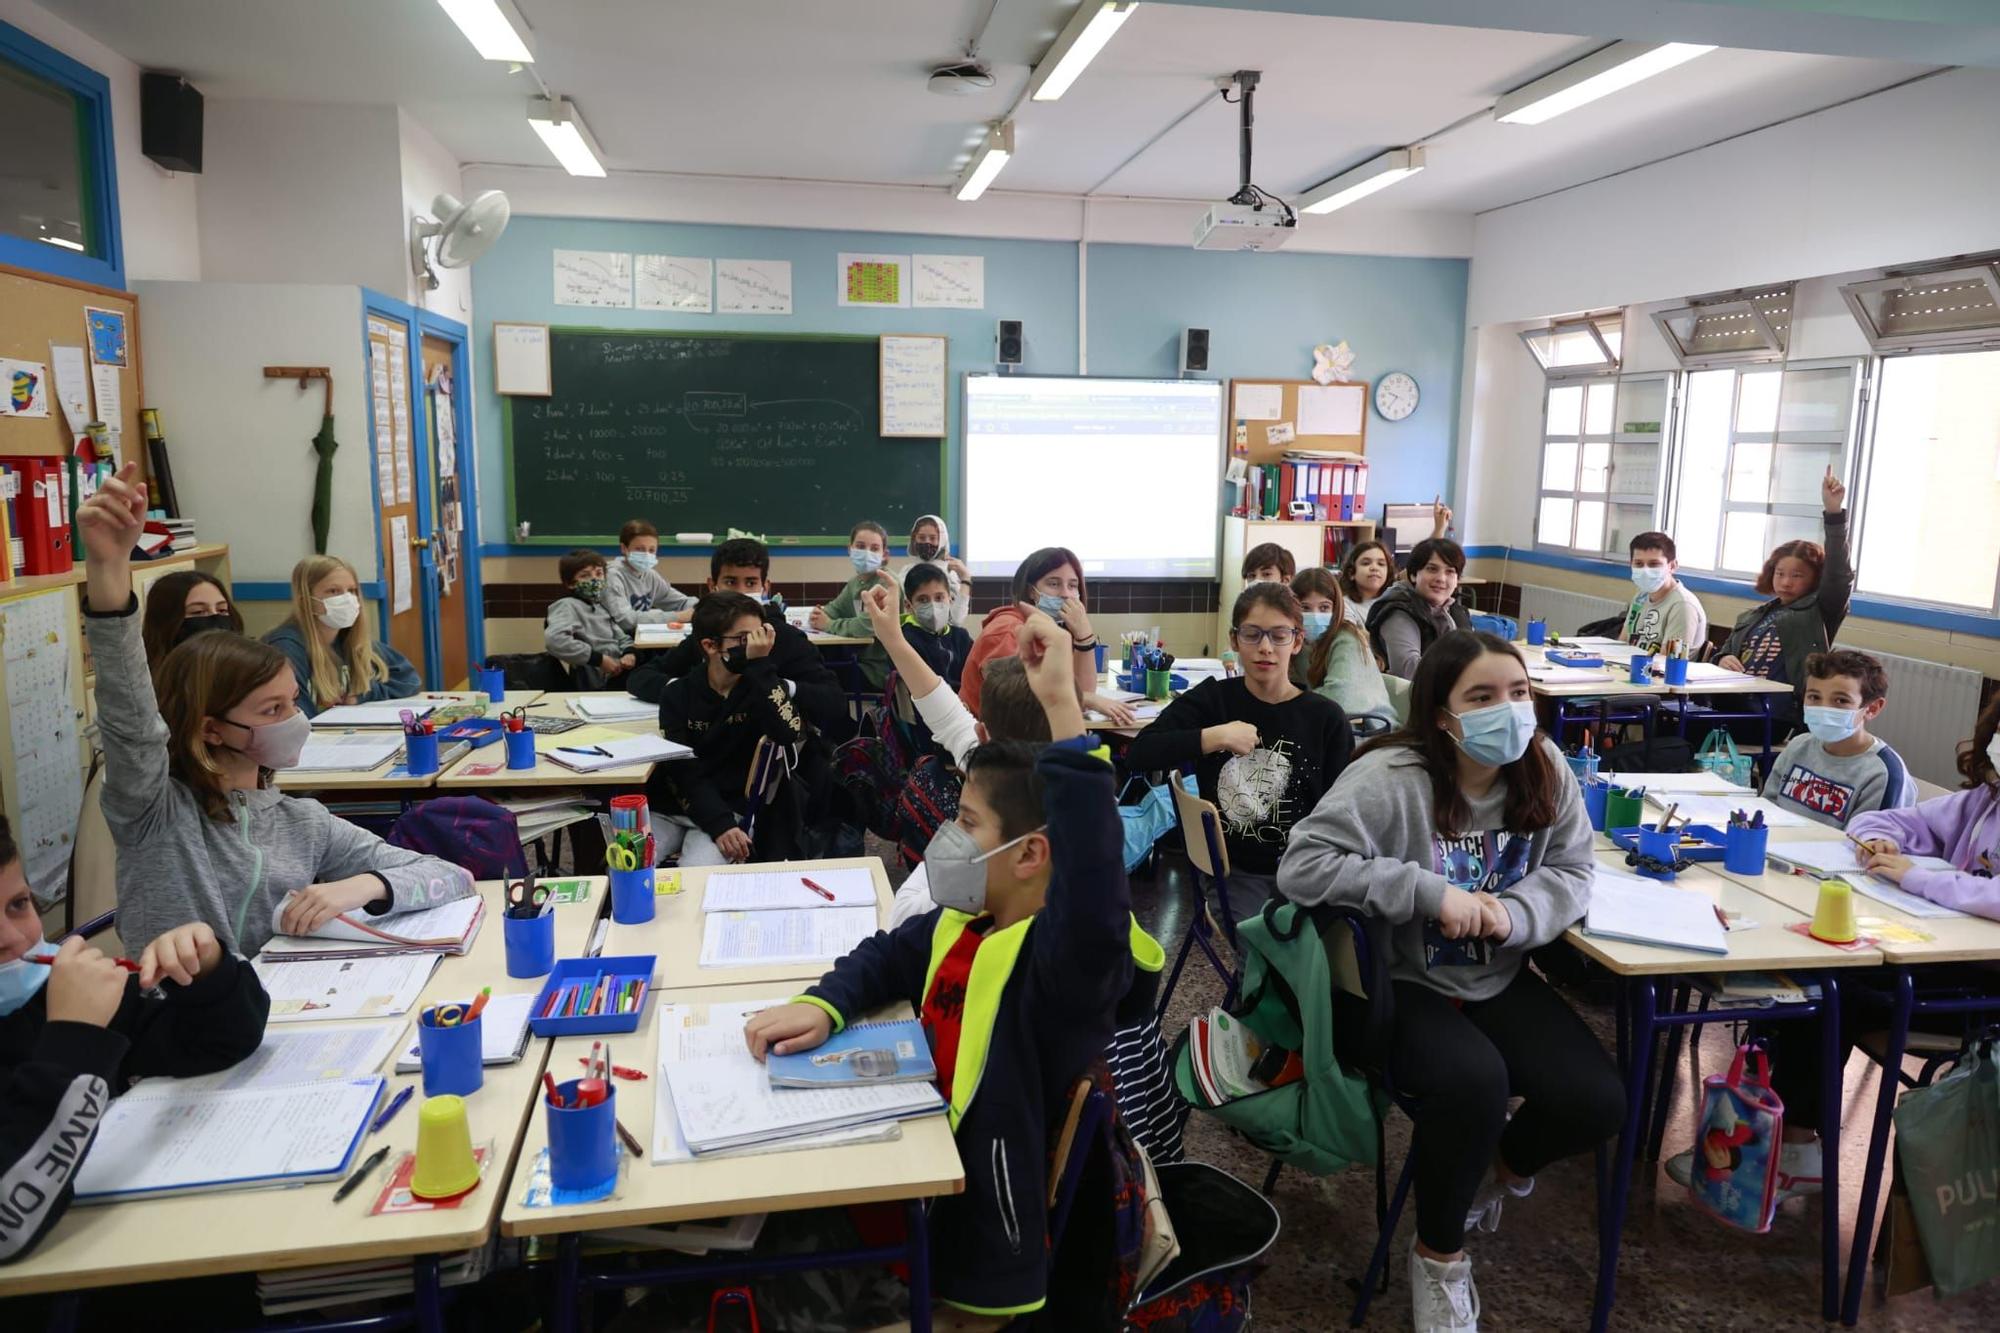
[
  {"x": 844, "y": 617},
  {"x": 1352, "y": 679}
]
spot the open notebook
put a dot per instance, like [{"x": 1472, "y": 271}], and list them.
[
  {"x": 372, "y": 715},
  {"x": 1644, "y": 911},
  {"x": 614, "y": 708},
  {"x": 446, "y": 929},
  {"x": 589, "y": 755}
]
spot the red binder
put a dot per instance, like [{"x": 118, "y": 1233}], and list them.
[{"x": 42, "y": 510}]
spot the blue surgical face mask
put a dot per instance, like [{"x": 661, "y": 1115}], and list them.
[
  {"x": 1499, "y": 734},
  {"x": 1050, "y": 605},
  {"x": 1649, "y": 579},
  {"x": 642, "y": 559},
  {"x": 864, "y": 560},
  {"x": 1831, "y": 725},
  {"x": 20, "y": 979},
  {"x": 1317, "y": 623}
]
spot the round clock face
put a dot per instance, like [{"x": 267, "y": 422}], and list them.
[{"x": 1396, "y": 395}]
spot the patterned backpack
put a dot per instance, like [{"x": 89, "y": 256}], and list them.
[
  {"x": 927, "y": 801},
  {"x": 468, "y": 831}
]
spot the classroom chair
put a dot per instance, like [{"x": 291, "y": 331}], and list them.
[{"x": 1201, "y": 830}]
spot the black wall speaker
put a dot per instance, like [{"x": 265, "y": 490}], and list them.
[
  {"x": 1008, "y": 342},
  {"x": 1194, "y": 351},
  {"x": 170, "y": 121}
]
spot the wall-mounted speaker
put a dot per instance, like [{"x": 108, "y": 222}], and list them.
[
  {"x": 170, "y": 121},
  {"x": 1194, "y": 351},
  {"x": 1008, "y": 341}
]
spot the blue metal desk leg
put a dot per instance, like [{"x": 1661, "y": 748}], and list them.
[
  {"x": 64, "y": 1311},
  {"x": 1878, "y": 1145},
  {"x": 429, "y": 1296},
  {"x": 569, "y": 1251},
  {"x": 1641, "y": 1007},
  {"x": 1832, "y": 1072},
  {"x": 1676, "y": 1035},
  {"x": 920, "y": 1267}
]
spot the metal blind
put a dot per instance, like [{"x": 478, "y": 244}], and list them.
[{"x": 1729, "y": 328}]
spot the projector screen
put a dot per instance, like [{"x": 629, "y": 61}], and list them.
[{"x": 1126, "y": 473}]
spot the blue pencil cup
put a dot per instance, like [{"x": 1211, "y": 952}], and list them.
[
  {"x": 1744, "y": 848},
  {"x": 453, "y": 1058},
  {"x": 583, "y": 1141},
  {"x": 531, "y": 943},
  {"x": 1538, "y": 632},
  {"x": 1583, "y": 766},
  {"x": 520, "y": 749},
  {"x": 1642, "y": 669},
  {"x": 491, "y": 680},
  {"x": 632, "y": 896},
  {"x": 1677, "y": 671},
  {"x": 1595, "y": 794},
  {"x": 420, "y": 754},
  {"x": 1100, "y": 659},
  {"x": 1661, "y": 847}
]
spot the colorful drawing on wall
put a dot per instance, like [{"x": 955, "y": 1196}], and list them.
[
  {"x": 24, "y": 388},
  {"x": 874, "y": 280},
  {"x": 107, "y": 335}
]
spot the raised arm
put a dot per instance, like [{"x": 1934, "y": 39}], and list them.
[
  {"x": 129, "y": 726},
  {"x": 1836, "y": 581}
]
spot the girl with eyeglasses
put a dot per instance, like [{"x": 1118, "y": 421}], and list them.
[{"x": 1263, "y": 749}]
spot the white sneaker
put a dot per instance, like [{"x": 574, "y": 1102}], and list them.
[
  {"x": 1443, "y": 1297},
  {"x": 1799, "y": 1170},
  {"x": 1484, "y": 1215}
]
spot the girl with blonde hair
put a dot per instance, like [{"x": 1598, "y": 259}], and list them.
[{"x": 330, "y": 640}]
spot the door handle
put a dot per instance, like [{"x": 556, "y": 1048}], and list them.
[{"x": 420, "y": 543}]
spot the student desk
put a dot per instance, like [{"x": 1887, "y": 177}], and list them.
[
  {"x": 1588, "y": 700},
  {"x": 670, "y": 636},
  {"x": 922, "y": 1164},
  {"x": 244, "y": 1231},
  {"x": 675, "y": 931},
  {"x": 1642, "y": 1016},
  {"x": 476, "y": 771},
  {"x": 386, "y": 776}
]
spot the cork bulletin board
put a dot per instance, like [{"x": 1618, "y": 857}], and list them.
[{"x": 41, "y": 311}]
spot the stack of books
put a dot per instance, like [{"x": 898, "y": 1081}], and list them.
[
  {"x": 293, "y": 1290},
  {"x": 446, "y": 929},
  {"x": 1229, "y": 1061}
]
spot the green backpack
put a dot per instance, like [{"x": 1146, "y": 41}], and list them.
[{"x": 1325, "y": 1121}]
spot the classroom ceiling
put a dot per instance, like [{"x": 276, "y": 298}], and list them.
[{"x": 808, "y": 89}]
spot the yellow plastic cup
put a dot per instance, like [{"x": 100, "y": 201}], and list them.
[
  {"x": 445, "y": 1164},
  {"x": 1833, "y": 917}
]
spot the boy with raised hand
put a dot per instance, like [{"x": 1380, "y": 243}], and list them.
[
  {"x": 1835, "y": 769},
  {"x": 1016, "y": 978},
  {"x": 634, "y": 592},
  {"x": 76, "y": 1029},
  {"x": 579, "y": 630},
  {"x": 1663, "y": 611}
]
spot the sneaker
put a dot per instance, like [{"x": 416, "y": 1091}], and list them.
[
  {"x": 1443, "y": 1297},
  {"x": 1799, "y": 1170},
  {"x": 1680, "y": 1168},
  {"x": 1484, "y": 1215}
]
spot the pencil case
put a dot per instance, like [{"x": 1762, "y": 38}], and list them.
[
  {"x": 480, "y": 731},
  {"x": 1557, "y": 658},
  {"x": 1699, "y": 842},
  {"x": 576, "y": 983}
]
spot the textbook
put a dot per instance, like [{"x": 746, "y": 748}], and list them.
[
  {"x": 859, "y": 1055},
  {"x": 351, "y": 752},
  {"x": 614, "y": 708},
  {"x": 372, "y": 715},
  {"x": 448, "y": 928}
]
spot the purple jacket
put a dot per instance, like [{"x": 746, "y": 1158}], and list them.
[{"x": 1963, "y": 828}]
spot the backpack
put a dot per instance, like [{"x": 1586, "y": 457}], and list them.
[
  {"x": 1118, "y": 1235},
  {"x": 468, "y": 831},
  {"x": 531, "y": 671},
  {"x": 928, "y": 800}
]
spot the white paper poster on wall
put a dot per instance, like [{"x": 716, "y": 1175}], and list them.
[
  {"x": 1259, "y": 402},
  {"x": 913, "y": 385},
  {"x": 880, "y": 281},
  {"x": 670, "y": 282},
  {"x": 753, "y": 286},
  {"x": 948, "y": 282},
  {"x": 1333, "y": 409},
  {"x": 402, "y": 578},
  {"x": 48, "y": 780},
  {"x": 72, "y": 386},
  {"x": 24, "y": 388},
  {"x": 600, "y": 278}
]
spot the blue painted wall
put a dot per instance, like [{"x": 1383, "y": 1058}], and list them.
[{"x": 1265, "y": 311}]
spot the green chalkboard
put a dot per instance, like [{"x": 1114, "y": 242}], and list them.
[{"x": 702, "y": 432}]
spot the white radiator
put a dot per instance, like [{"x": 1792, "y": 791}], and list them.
[
  {"x": 1566, "y": 612},
  {"x": 1931, "y": 709}
]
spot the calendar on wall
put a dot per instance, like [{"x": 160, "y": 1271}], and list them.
[{"x": 44, "y": 722}]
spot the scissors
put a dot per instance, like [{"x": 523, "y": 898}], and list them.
[
  {"x": 448, "y": 1015},
  {"x": 515, "y": 719},
  {"x": 620, "y": 857},
  {"x": 525, "y": 897}
]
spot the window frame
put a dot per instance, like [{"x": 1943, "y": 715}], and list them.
[
  {"x": 1746, "y": 303},
  {"x": 1591, "y": 324},
  {"x": 1608, "y": 497},
  {"x": 1975, "y": 338},
  {"x": 100, "y": 177}
]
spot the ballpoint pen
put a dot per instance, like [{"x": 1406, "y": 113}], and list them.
[
  {"x": 389, "y": 1112},
  {"x": 348, "y": 1186}
]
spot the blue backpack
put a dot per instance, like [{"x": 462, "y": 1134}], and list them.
[{"x": 468, "y": 831}]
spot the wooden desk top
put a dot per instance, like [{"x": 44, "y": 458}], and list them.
[
  {"x": 101, "y": 1245},
  {"x": 477, "y": 771},
  {"x": 670, "y": 636},
  {"x": 1618, "y": 680},
  {"x": 375, "y": 779},
  {"x": 922, "y": 1163}
]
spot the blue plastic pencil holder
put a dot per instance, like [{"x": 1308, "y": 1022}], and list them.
[
  {"x": 491, "y": 680},
  {"x": 1100, "y": 659},
  {"x": 1596, "y": 792},
  {"x": 1677, "y": 671},
  {"x": 1662, "y": 848},
  {"x": 520, "y": 749},
  {"x": 420, "y": 754},
  {"x": 1538, "y": 632},
  {"x": 1641, "y": 669},
  {"x": 632, "y": 896},
  {"x": 531, "y": 943},
  {"x": 583, "y": 1140},
  {"x": 1744, "y": 849},
  {"x": 454, "y": 1060}
]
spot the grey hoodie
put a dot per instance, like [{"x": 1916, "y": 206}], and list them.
[
  {"x": 1402, "y": 626},
  {"x": 636, "y": 596},
  {"x": 577, "y": 633},
  {"x": 1372, "y": 843},
  {"x": 177, "y": 865}
]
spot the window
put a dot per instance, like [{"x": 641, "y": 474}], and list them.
[
  {"x": 1601, "y": 447},
  {"x": 1754, "y": 446},
  {"x": 58, "y": 193},
  {"x": 1941, "y": 307},
  {"x": 1730, "y": 329},
  {"x": 1934, "y": 468},
  {"x": 1585, "y": 344}
]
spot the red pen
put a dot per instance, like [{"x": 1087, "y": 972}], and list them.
[
  {"x": 549, "y": 1082},
  {"x": 49, "y": 961},
  {"x": 816, "y": 888}
]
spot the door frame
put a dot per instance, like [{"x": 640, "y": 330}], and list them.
[
  {"x": 450, "y": 331},
  {"x": 374, "y": 303}
]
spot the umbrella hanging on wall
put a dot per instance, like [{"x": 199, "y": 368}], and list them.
[{"x": 323, "y": 444}]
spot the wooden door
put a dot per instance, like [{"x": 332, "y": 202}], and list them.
[
  {"x": 393, "y": 438},
  {"x": 446, "y": 528}
]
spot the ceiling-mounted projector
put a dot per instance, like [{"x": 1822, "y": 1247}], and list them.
[{"x": 1233, "y": 226}]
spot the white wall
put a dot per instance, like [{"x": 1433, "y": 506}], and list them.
[
  {"x": 156, "y": 207},
  {"x": 303, "y": 192},
  {"x": 243, "y": 461},
  {"x": 428, "y": 170}
]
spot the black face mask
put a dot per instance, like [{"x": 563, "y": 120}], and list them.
[
  {"x": 736, "y": 660},
  {"x": 925, "y": 550},
  {"x": 194, "y": 625}
]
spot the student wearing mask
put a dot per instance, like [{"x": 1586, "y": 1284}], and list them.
[
  {"x": 329, "y": 638},
  {"x": 1810, "y": 586},
  {"x": 1049, "y": 580},
  {"x": 1664, "y": 611},
  {"x": 202, "y": 835},
  {"x": 579, "y": 630},
  {"x": 1365, "y": 571},
  {"x": 1407, "y": 619},
  {"x": 930, "y": 544},
  {"x": 1337, "y": 661},
  {"x": 1465, "y": 833},
  {"x": 1835, "y": 771},
  {"x": 181, "y": 605},
  {"x": 927, "y": 625},
  {"x": 867, "y": 548},
  {"x": 634, "y": 592}
]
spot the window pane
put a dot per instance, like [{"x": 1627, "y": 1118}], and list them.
[
  {"x": 1598, "y": 399},
  {"x": 1635, "y": 469},
  {"x": 42, "y": 195},
  {"x": 1596, "y": 473},
  {"x": 1750, "y": 474},
  {"x": 1935, "y": 470},
  {"x": 1626, "y": 522},
  {"x": 1798, "y": 471},
  {"x": 1565, "y": 409},
  {"x": 1743, "y": 545},
  {"x": 1757, "y": 400},
  {"x": 1816, "y": 400},
  {"x": 1552, "y": 529},
  {"x": 1613, "y": 333},
  {"x": 1558, "y": 466},
  {"x": 1642, "y": 406},
  {"x": 1704, "y": 454},
  {"x": 1590, "y": 525}
]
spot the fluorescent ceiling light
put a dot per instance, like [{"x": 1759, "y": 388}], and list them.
[
  {"x": 565, "y": 134},
  {"x": 1376, "y": 174},
  {"x": 1599, "y": 74},
  {"x": 494, "y": 27},
  {"x": 995, "y": 151},
  {"x": 1078, "y": 44},
  {"x": 64, "y": 241}
]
